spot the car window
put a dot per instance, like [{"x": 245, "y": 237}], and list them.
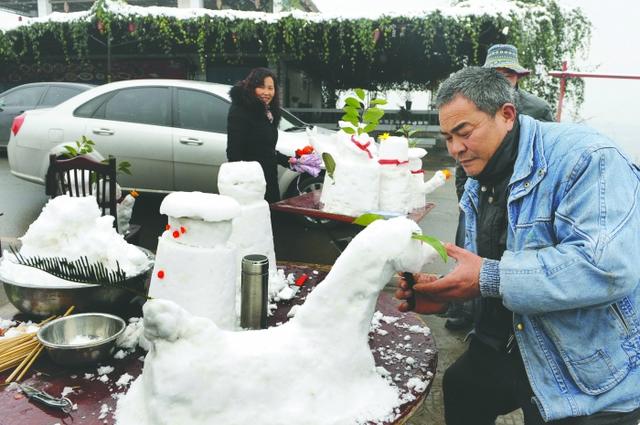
[
  {"x": 289, "y": 120},
  {"x": 56, "y": 95},
  {"x": 144, "y": 105},
  {"x": 90, "y": 108},
  {"x": 198, "y": 110},
  {"x": 27, "y": 97}
]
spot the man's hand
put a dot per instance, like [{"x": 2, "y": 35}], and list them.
[
  {"x": 462, "y": 283},
  {"x": 432, "y": 294},
  {"x": 424, "y": 303}
]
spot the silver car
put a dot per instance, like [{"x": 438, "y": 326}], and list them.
[
  {"x": 173, "y": 132},
  {"x": 15, "y": 101}
]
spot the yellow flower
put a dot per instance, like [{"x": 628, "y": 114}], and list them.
[{"x": 383, "y": 136}]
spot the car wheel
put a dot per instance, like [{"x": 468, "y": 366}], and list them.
[{"x": 306, "y": 183}]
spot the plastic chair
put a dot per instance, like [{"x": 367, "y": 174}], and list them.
[{"x": 82, "y": 176}]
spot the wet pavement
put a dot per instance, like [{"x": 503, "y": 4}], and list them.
[{"x": 295, "y": 240}]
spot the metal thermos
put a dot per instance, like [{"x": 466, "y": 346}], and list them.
[{"x": 254, "y": 292}]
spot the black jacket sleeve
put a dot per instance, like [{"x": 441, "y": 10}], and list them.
[
  {"x": 237, "y": 135},
  {"x": 282, "y": 159}
]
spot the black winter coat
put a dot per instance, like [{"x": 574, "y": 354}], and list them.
[{"x": 252, "y": 137}]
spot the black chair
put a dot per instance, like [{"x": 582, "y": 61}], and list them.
[{"x": 82, "y": 176}]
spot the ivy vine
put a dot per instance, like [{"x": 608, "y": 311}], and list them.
[{"x": 379, "y": 54}]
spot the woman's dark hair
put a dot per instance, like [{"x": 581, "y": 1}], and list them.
[{"x": 256, "y": 79}]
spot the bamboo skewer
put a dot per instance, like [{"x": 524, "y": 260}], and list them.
[{"x": 22, "y": 350}]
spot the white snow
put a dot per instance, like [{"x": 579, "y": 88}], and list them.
[
  {"x": 105, "y": 370},
  {"x": 9, "y": 21},
  {"x": 71, "y": 228},
  {"x": 83, "y": 339},
  {"x": 199, "y": 205},
  {"x": 66, "y": 391},
  {"x": 328, "y": 370}
]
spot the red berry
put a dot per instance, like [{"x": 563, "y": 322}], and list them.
[
  {"x": 182, "y": 229},
  {"x": 161, "y": 274},
  {"x": 176, "y": 234},
  {"x": 167, "y": 227}
]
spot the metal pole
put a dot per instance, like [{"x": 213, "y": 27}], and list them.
[
  {"x": 563, "y": 86},
  {"x": 108, "y": 58}
]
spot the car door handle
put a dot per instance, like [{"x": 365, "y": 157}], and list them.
[
  {"x": 103, "y": 131},
  {"x": 191, "y": 142}
]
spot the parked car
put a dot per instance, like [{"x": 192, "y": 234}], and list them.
[
  {"x": 173, "y": 132},
  {"x": 15, "y": 101}
]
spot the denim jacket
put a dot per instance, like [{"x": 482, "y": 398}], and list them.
[{"x": 571, "y": 271}]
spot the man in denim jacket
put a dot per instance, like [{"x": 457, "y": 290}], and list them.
[{"x": 568, "y": 274}]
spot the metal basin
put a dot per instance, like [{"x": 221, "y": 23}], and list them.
[
  {"x": 44, "y": 301},
  {"x": 81, "y": 339}
]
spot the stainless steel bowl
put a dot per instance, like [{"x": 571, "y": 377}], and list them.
[
  {"x": 44, "y": 301},
  {"x": 81, "y": 338}
]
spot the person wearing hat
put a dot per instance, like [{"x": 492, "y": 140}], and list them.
[
  {"x": 504, "y": 59},
  {"x": 553, "y": 217}
]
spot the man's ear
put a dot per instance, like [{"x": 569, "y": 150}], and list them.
[{"x": 508, "y": 113}]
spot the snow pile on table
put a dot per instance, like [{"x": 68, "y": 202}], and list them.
[
  {"x": 71, "y": 228},
  {"x": 316, "y": 369}
]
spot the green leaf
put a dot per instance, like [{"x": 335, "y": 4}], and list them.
[
  {"x": 379, "y": 102},
  {"x": 351, "y": 110},
  {"x": 369, "y": 127},
  {"x": 373, "y": 115},
  {"x": 124, "y": 167},
  {"x": 329, "y": 163},
  {"x": 351, "y": 119},
  {"x": 435, "y": 243},
  {"x": 72, "y": 151},
  {"x": 349, "y": 130},
  {"x": 366, "y": 219},
  {"x": 359, "y": 93},
  {"x": 352, "y": 102}
]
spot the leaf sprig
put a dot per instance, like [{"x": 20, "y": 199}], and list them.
[
  {"x": 356, "y": 114},
  {"x": 366, "y": 219},
  {"x": 85, "y": 146}
]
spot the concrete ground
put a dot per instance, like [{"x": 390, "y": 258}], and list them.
[{"x": 294, "y": 242}]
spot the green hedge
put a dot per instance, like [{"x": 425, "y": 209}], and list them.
[{"x": 389, "y": 52}]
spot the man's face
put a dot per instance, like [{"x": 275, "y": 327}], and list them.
[
  {"x": 474, "y": 136},
  {"x": 510, "y": 75}
]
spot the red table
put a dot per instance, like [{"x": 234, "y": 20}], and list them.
[
  {"x": 91, "y": 394},
  {"x": 309, "y": 204}
]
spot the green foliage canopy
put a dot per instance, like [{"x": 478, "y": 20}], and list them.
[{"x": 407, "y": 52}]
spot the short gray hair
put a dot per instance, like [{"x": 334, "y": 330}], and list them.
[{"x": 485, "y": 87}]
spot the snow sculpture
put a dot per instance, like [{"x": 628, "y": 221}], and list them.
[
  {"x": 354, "y": 187},
  {"x": 316, "y": 369},
  {"x": 395, "y": 178},
  {"x": 252, "y": 233},
  {"x": 195, "y": 266}
]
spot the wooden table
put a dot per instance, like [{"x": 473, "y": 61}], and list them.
[
  {"x": 389, "y": 344},
  {"x": 308, "y": 204}
]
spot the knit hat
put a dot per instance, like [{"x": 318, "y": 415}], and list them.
[{"x": 504, "y": 56}]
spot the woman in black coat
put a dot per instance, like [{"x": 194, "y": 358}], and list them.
[{"x": 252, "y": 126}]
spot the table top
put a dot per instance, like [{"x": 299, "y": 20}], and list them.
[
  {"x": 309, "y": 204},
  {"x": 399, "y": 336}
]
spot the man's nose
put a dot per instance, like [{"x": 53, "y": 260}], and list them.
[{"x": 455, "y": 147}]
